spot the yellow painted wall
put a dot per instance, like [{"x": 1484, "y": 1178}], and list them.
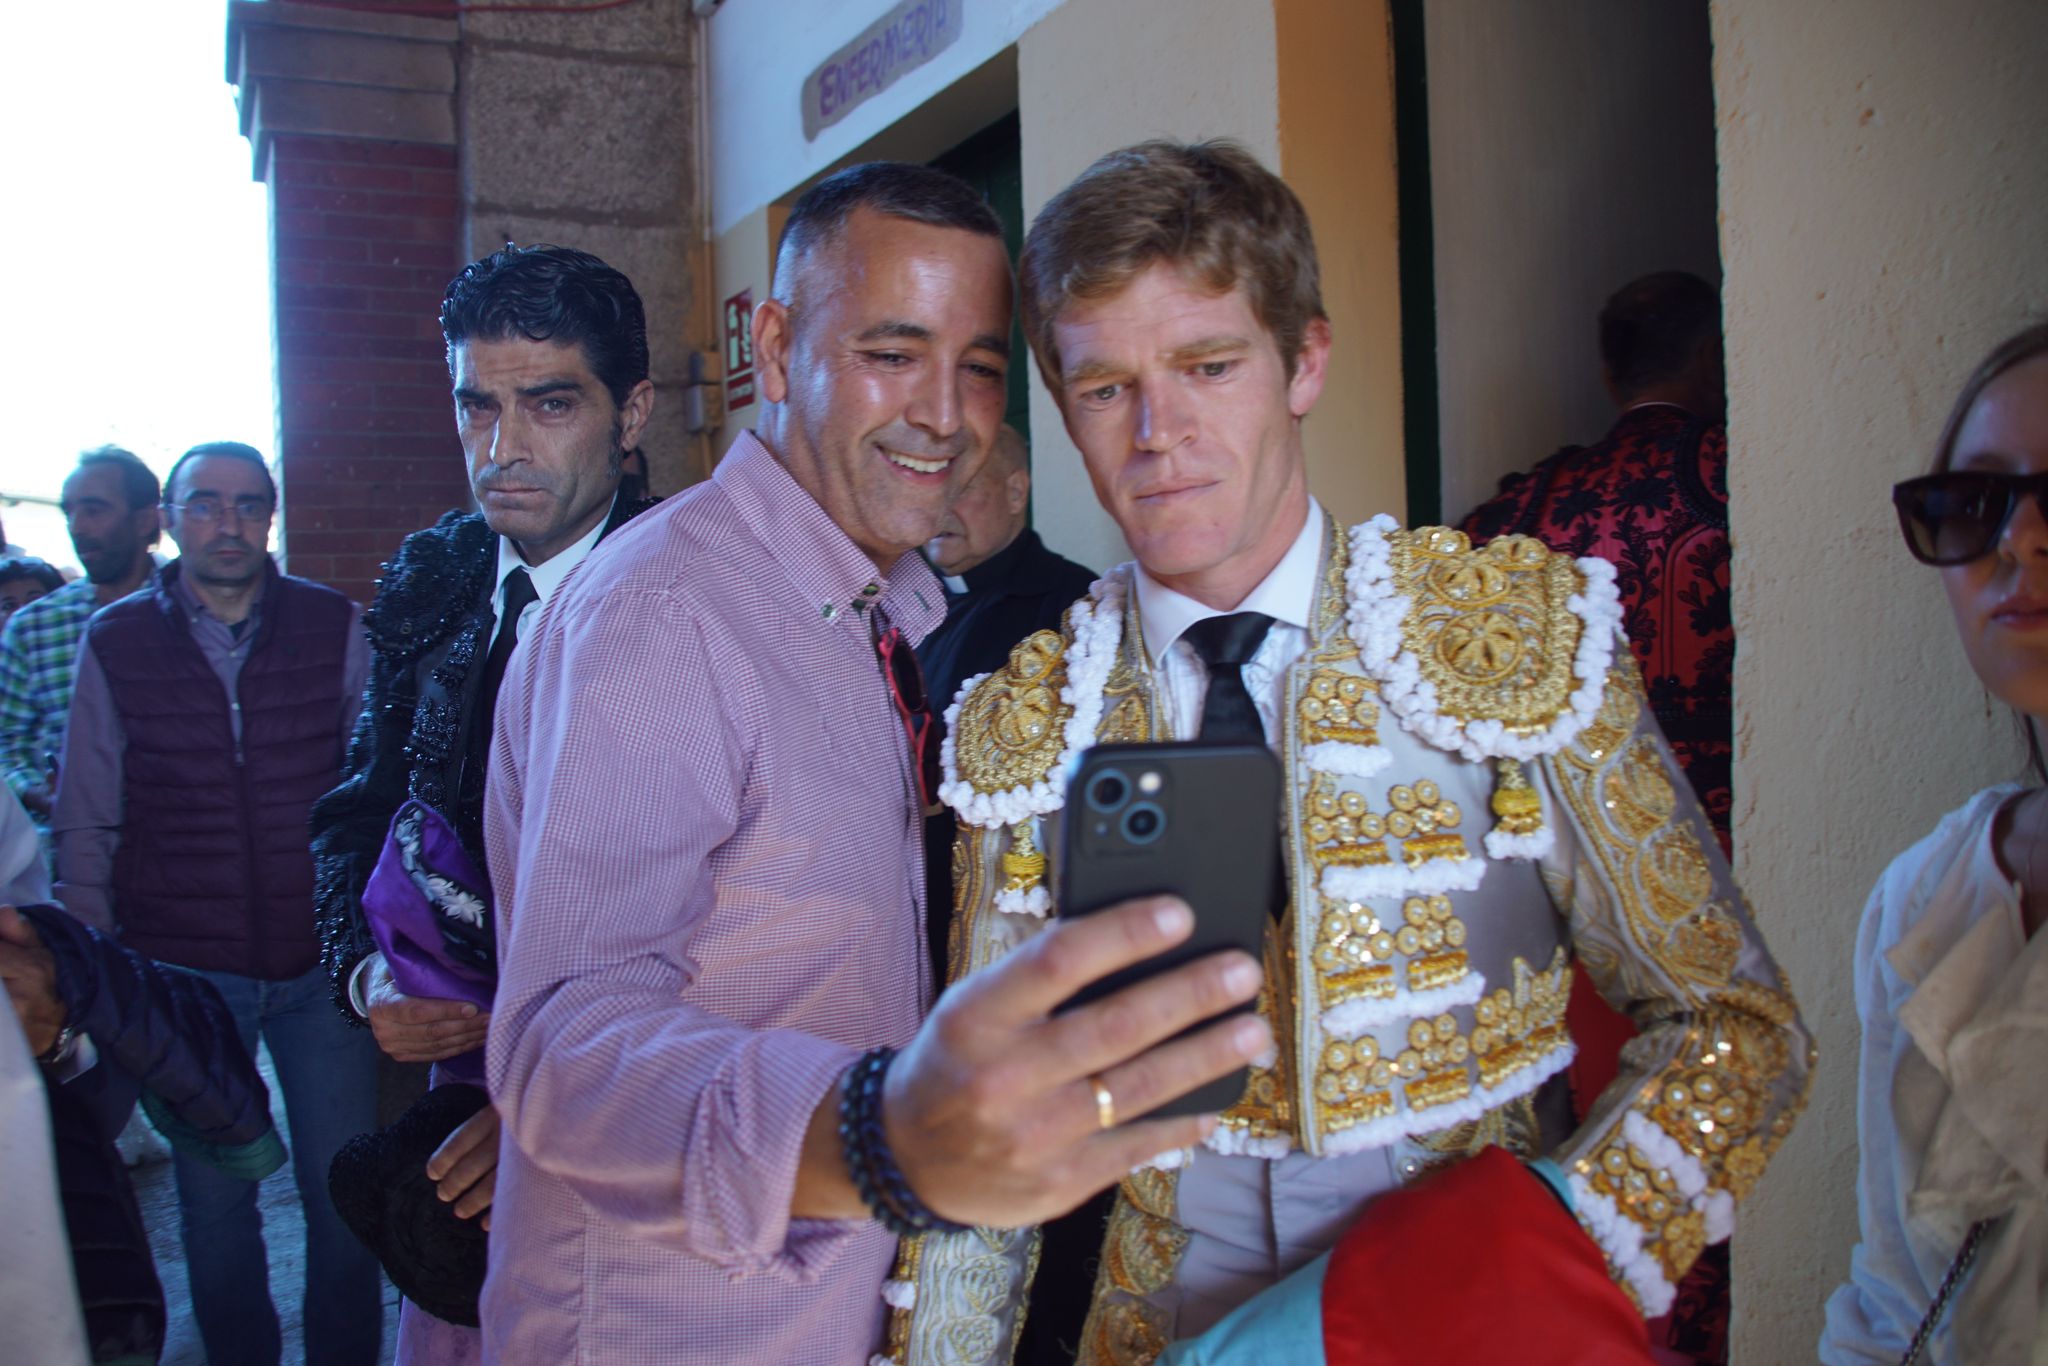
[
  {"x": 1884, "y": 219},
  {"x": 1336, "y": 86}
]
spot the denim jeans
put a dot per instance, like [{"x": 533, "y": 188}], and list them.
[{"x": 328, "y": 1072}]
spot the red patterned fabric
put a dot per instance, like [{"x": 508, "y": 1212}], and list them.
[
  {"x": 1652, "y": 497},
  {"x": 1490, "y": 1268}
]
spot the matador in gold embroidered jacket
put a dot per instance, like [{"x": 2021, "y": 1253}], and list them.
[{"x": 1478, "y": 804}]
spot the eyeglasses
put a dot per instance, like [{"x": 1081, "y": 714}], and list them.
[
  {"x": 1958, "y": 515},
  {"x": 913, "y": 707},
  {"x": 248, "y": 508}
]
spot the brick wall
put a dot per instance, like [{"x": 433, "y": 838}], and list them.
[{"x": 365, "y": 237}]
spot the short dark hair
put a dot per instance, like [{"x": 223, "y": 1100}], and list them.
[
  {"x": 29, "y": 567},
  {"x": 896, "y": 189},
  {"x": 1652, "y": 328},
  {"x": 139, "y": 488},
  {"x": 1209, "y": 209},
  {"x": 557, "y": 294},
  {"x": 231, "y": 450}
]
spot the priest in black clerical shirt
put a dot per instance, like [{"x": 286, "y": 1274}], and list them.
[{"x": 1001, "y": 582}]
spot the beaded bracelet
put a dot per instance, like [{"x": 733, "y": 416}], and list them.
[{"x": 868, "y": 1160}]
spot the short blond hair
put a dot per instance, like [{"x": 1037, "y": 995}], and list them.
[{"x": 1207, "y": 208}]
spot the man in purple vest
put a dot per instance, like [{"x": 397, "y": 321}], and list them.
[{"x": 210, "y": 709}]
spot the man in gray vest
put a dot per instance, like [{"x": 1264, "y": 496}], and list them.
[{"x": 210, "y": 709}]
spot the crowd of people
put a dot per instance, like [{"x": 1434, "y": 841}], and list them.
[{"x": 707, "y": 850}]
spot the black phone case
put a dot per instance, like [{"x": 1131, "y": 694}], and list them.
[{"x": 1218, "y": 850}]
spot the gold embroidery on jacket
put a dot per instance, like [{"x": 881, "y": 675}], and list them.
[
  {"x": 1141, "y": 1252},
  {"x": 1338, "y": 706},
  {"x": 1517, "y": 1027},
  {"x": 1011, "y": 729},
  {"x": 1352, "y": 1084},
  {"x": 1513, "y": 1126},
  {"x": 1422, "y": 819},
  {"x": 1342, "y": 830},
  {"x": 1264, "y": 1111},
  {"x": 1491, "y": 629}
]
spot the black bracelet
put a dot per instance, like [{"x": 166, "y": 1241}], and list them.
[{"x": 868, "y": 1160}]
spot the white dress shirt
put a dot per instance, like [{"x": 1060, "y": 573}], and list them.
[
  {"x": 1287, "y": 594},
  {"x": 546, "y": 576}
]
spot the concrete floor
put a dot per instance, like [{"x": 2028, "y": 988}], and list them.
[{"x": 284, "y": 1234}]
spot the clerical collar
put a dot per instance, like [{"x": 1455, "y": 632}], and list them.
[
  {"x": 546, "y": 577},
  {"x": 1287, "y": 594}
]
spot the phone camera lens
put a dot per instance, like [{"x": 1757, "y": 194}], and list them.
[
  {"x": 1108, "y": 791},
  {"x": 1143, "y": 823}
]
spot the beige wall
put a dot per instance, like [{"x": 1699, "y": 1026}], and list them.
[
  {"x": 1884, "y": 220},
  {"x": 1571, "y": 150},
  {"x": 1100, "y": 74},
  {"x": 1337, "y": 151}
]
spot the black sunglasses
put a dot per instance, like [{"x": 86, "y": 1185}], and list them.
[{"x": 1958, "y": 515}]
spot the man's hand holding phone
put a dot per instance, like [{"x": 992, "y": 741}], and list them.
[{"x": 995, "y": 1111}]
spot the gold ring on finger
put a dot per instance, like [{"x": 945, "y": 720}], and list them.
[{"x": 1105, "y": 1103}]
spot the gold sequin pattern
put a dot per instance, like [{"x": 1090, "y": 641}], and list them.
[
  {"x": 1352, "y": 1084},
  {"x": 1338, "y": 706},
  {"x": 1673, "y": 1231},
  {"x": 1517, "y": 1026},
  {"x": 1423, "y": 819},
  {"x": 1491, "y": 628},
  {"x": 1011, "y": 728},
  {"x": 1341, "y": 828}
]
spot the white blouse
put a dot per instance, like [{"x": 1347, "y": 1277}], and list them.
[{"x": 1952, "y": 1106}]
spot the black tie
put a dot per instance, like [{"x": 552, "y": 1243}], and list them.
[
  {"x": 1225, "y": 644},
  {"x": 518, "y": 593}
]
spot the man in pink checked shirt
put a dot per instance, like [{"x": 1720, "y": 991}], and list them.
[{"x": 704, "y": 826}]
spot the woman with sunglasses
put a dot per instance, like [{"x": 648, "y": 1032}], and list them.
[{"x": 1951, "y": 961}]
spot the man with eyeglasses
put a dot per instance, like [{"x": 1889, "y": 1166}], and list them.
[{"x": 210, "y": 709}]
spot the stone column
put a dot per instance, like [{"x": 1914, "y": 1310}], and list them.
[
  {"x": 579, "y": 130},
  {"x": 351, "y": 118}
]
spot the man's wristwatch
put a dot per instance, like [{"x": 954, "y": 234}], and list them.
[{"x": 58, "y": 1052}]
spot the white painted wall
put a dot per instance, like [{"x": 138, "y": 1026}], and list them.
[
  {"x": 1884, "y": 221},
  {"x": 1571, "y": 150},
  {"x": 1101, "y": 74},
  {"x": 759, "y": 54}
]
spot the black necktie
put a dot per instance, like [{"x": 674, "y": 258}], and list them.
[
  {"x": 518, "y": 593},
  {"x": 1225, "y": 644}
]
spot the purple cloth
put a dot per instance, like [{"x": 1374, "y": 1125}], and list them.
[
  {"x": 426, "y": 904},
  {"x": 706, "y": 847},
  {"x": 86, "y": 821}
]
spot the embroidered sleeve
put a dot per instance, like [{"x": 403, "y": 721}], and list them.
[{"x": 1717, "y": 1076}]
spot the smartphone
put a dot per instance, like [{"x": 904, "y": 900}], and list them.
[{"x": 1199, "y": 821}]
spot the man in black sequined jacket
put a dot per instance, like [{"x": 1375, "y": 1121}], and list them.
[{"x": 547, "y": 352}]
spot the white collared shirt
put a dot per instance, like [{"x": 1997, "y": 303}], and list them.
[
  {"x": 1287, "y": 594},
  {"x": 546, "y": 576}
]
